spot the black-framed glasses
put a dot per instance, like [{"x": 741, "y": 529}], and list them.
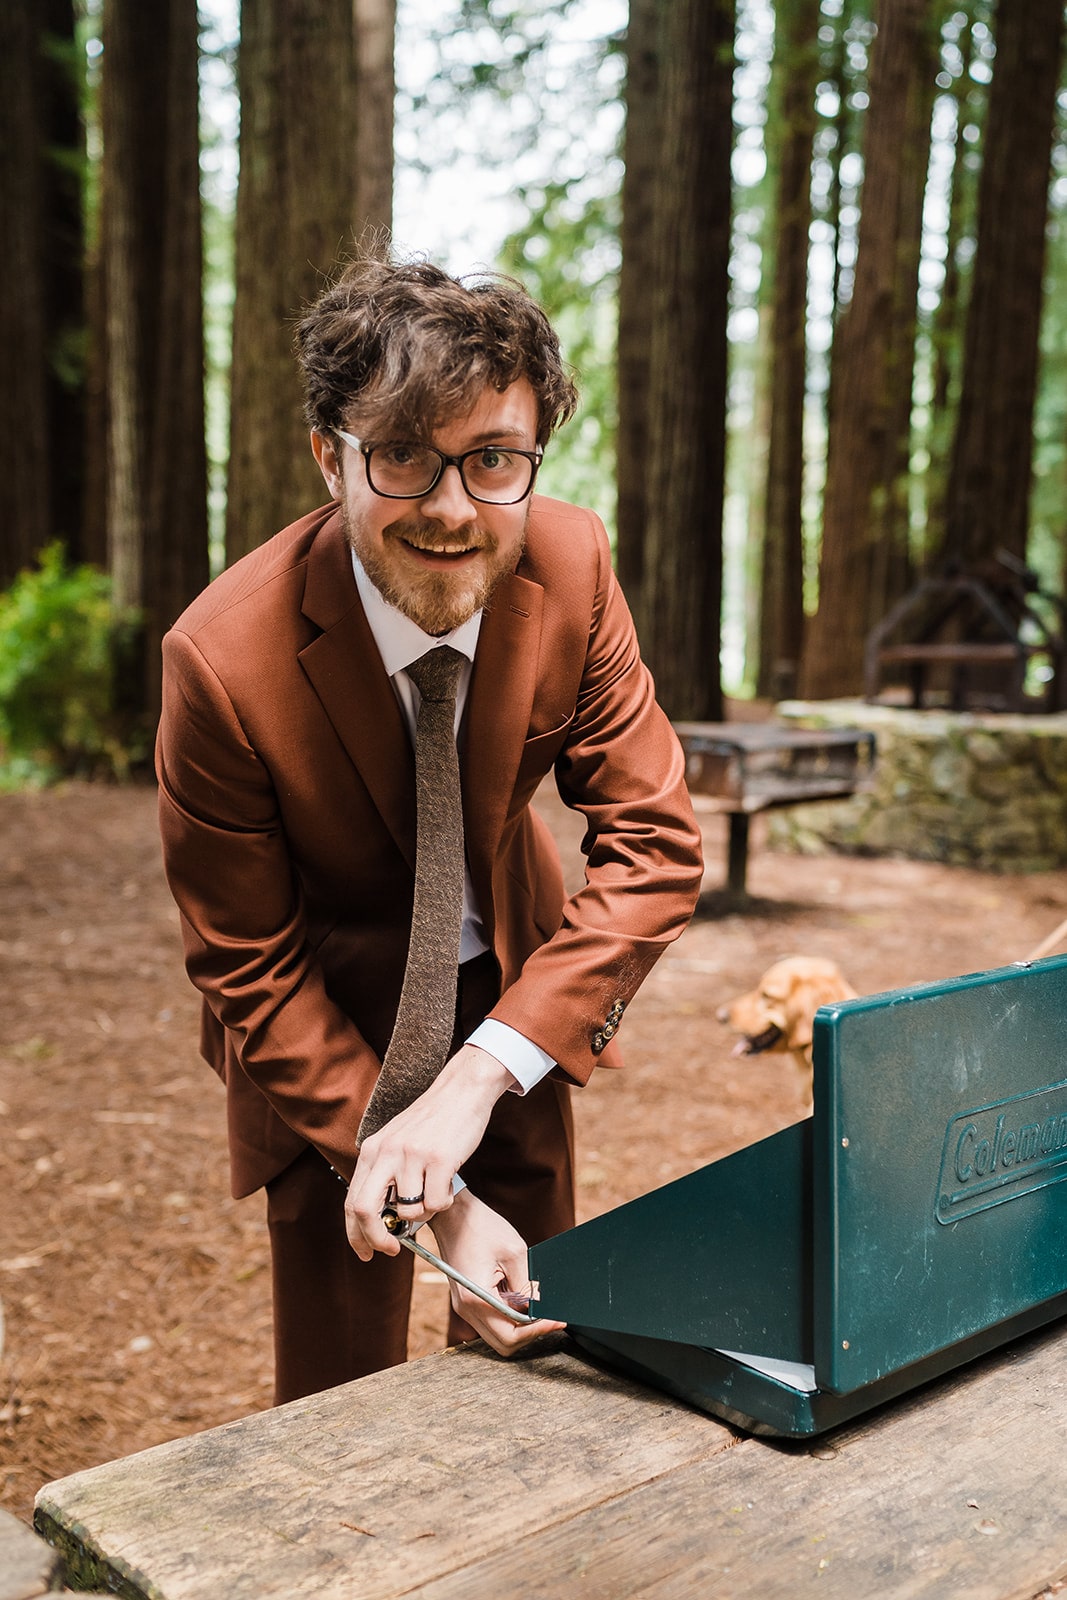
[{"x": 495, "y": 475}]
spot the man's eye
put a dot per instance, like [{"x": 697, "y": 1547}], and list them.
[
  {"x": 398, "y": 455},
  {"x": 495, "y": 460}
]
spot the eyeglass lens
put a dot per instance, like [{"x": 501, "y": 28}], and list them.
[{"x": 489, "y": 474}]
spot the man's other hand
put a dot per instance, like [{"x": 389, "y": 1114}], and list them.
[
  {"x": 479, "y": 1243},
  {"x": 410, "y": 1163}
]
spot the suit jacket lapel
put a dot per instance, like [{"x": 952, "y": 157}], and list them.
[
  {"x": 499, "y": 704},
  {"x": 346, "y": 672}
]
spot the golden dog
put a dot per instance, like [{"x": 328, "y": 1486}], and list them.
[{"x": 777, "y": 1015}]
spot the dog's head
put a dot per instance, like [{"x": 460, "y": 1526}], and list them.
[{"x": 777, "y": 1015}]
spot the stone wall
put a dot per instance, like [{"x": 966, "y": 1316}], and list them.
[{"x": 981, "y": 790}]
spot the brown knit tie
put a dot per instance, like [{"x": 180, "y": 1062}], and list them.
[{"x": 426, "y": 1017}]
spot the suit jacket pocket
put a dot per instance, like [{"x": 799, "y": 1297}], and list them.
[{"x": 538, "y": 755}]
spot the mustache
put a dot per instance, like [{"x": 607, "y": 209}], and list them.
[{"x": 430, "y": 536}]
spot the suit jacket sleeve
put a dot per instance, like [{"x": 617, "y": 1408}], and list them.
[{"x": 621, "y": 765}]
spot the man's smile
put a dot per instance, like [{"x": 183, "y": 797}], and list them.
[{"x": 441, "y": 552}]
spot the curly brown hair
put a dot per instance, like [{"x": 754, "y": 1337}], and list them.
[{"x": 398, "y": 348}]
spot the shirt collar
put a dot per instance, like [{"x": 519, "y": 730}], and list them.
[{"x": 401, "y": 641}]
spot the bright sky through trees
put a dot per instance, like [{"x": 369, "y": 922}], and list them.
[{"x": 455, "y": 195}]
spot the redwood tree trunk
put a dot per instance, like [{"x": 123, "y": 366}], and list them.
[
  {"x": 23, "y": 437},
  {"x": 151, "y": 248},
  {"x": 946, "y": 333},
  {"x": 781, "y": 629},
  {"x": 176, "y": 546},
  {"x": 375, "y": 22},
  {"x": 296, "y": 214},
  {"x": 682, "y": 587},
  {"x": 989, "y": 482},
  {"x": 42, "y": 454},
  {"x": 640, "y": 179},
  {"x": 872, "y": 348},
  {"x": 891, "y": 569}
]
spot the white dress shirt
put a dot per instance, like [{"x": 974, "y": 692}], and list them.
[{"x": 400, "y": 642}]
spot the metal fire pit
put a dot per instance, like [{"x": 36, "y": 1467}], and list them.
[{"x": 743, "y": 767}]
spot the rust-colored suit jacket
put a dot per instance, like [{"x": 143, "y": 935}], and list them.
[{"x": 288, "y": 822}]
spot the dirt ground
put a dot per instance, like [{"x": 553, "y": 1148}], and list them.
[{"x": 136, "y": 1292}]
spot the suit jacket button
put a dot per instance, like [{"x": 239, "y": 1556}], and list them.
[
  {"x": 608, "y": 1031},
  {"x": 617, "y": 1009},
  {"x": 598, "y": 1043}
]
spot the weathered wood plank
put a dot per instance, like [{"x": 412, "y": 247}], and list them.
[
  {"x": 27, "y": 1566},
  {"x": 464, "y": 1478},
  {"x": 958, "y": 1491},
  {"x": 374, "y": 1488}
]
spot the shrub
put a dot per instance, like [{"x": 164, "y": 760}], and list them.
[{"x": 62, "y": 649}]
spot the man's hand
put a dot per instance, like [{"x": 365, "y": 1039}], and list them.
[
  {"x": 419, "y": 1152},
  {"x": 486, "y": 1249}
]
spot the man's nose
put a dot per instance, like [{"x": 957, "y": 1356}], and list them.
[{"x": 448, "y": 501}]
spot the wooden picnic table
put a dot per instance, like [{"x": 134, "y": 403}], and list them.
[{"x": 463, "y": 1477}]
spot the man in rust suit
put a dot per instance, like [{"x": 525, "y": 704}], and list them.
[{"x": 288, "y": 814}]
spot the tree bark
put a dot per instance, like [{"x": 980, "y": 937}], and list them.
[
  {"x": 296, "y": 214},
  {"x": 42, "y": 147},
  {"x": 946, "y": 333},
  {"x": 640, "y": 178},
  {"x": 989, "y": 482},
  {"x": 151, "y": 251},
  {"x": 682, "y": 590},
  {"x": 176, "y": 566},
  {"x": 781, "y": 632},
  {"x": 891, "y": 574},
  {"x": 375, "y": 22},
  {"x": 24, "y": 435},
  {"x": 872, "y": 348}
]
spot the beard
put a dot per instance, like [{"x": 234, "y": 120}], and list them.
[{"x": 436, "y": 601}]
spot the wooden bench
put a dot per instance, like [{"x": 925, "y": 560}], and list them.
[
  {"x": 462, "y": 1477},
  {"x": 740, "y": 768},
  {"x": 999, "y": 629},
  {"x": 1008, "y": 654}
]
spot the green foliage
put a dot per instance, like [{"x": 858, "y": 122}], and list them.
[
  {"x": 567, "y": 255},
  {"x": 62, "y": 651},
  {"x": 514, "y": 53}
]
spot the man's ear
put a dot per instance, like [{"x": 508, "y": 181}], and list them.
[{"x": 322, "y": 448}]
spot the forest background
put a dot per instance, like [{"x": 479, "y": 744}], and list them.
[{"x": 807, "y": 258}]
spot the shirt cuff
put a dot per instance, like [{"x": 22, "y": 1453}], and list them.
[{"x": 526, "y": 1061}]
